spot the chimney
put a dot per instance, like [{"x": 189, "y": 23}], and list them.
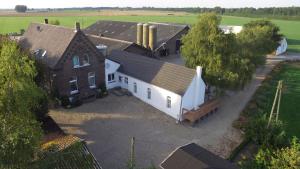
[
  {"x": 152, "y": 37},
  {"x": 197, "y": 88},
  {"x": 77, "y": 26},
  {"x": 146, "y": 35},
  {"x": 46, "y": 21},
  {"x": 139, "y": 34}
]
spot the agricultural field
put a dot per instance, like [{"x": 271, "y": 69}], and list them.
[
  {"x": 13, "y": 22},
  {"x": 262, "y": 101}
]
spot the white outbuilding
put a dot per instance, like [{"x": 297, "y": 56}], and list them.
[{"x": 171, "y": 88}]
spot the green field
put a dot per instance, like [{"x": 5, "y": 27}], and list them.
[
  {"x": 263, "y": 99},
  {"x": 291, "y": 29}
]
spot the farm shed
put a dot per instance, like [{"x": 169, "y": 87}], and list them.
[
  {"x": 168, "y": 87},
  {"x": 192, "y": 156},
  {"x": 164, "y": 37}
]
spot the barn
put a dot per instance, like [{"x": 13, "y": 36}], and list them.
[{"x": 162, "y": 38}]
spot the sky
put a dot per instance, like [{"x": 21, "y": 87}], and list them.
[{"x": 5, "y": 4}]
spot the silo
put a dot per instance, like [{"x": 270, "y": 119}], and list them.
[
  {"x": 139, "y": 35},
  {"x": 152, "y": 37},
  {"x": 146, "y": 35}
]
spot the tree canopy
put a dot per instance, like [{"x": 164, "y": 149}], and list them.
[
  {"x": 20, "y": 133},
  {"x": 21, "y": 8},
  {"x": 228, "y": 60},
  {"x": 208, "y": 46}
]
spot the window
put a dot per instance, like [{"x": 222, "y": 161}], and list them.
[
  {"x": 135, "y": 88},
  {"x": 120, "y": 79},
  {"x": 76, "y": 61},
  {"x": 85, "y": 60},
  {"x": 149, "y": 93},
  {"x": 73, "y": 85},
  {"x": 169, "y": 102},
  {"x": 126, "y": 80},
  {"x": 92, "y": 80},
  {"x": 111, "y": 77}
]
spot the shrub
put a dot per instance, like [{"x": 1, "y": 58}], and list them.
[
  {"x": 42, "y": 109},
  {"x": 65, "y": 102},
  {"x": 272, "y": 136}
]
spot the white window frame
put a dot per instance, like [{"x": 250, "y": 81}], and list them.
[
  {"x": 126, "y": 80},
  {"x": 120, "y": 79},
  {"x": 88, "y": 60},
  {"x": 74, "y": 81},
  {"x": 92, "y": 75},
  {"x": 169, "y": 102},
  {"x": 135, "y": 87},
  {"x": 112, "y": 78},
  {"x": 78, "y": 61},
  {"x": 149, "y": 94}
]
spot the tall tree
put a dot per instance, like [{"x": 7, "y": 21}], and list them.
[
  {"x": 20, "y": 133},
  {"x": 21, "y": 8},
  {"x": 257, "y": 39},
  {"x": 208, "y": 46}
]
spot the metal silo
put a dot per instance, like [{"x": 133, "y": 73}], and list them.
[
  {"x": 152, "y": 37},
  {"x": 139, "y": 36},
  {"x": 146, "y": 35}
]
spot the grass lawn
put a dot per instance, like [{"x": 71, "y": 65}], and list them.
[
  {"x": 14, "y": 23},
  {"x": 290, "y": 107}
]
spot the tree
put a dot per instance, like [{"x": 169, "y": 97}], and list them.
[
  {"x": 21, "y": 8},
  {"x": 208, "y": 46},
  {"x": 284, "y": 158},
  {"x": 257, "y": 39},
  {"x": 55, "y": 22},
  {"x": 20, "y": 133},
  {"x": 19, "y": 140}
]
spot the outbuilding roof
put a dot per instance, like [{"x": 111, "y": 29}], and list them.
[
  {"x": 192, "y": 156},
  {"x": 113, "y": 44},
  {"x": 166, "y": 75},
  {"x": 52, "y": 39},
  {"x": 128, "y": 30}
]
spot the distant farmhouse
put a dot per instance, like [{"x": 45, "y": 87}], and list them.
[
  {"x": 162, "y": 38},
  {"x": 80, "y": 61}
]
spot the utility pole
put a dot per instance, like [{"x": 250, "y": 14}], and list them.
[
  {"x": 277, "y": 100},
  {"x": 132, "y": 161}
]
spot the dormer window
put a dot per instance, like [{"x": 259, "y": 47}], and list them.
[
  {"x": 40, "y": 53},
  {"x": 76, "y": 62}
]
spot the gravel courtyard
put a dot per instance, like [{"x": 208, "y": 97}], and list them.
[{"x": 108, "y": 125}]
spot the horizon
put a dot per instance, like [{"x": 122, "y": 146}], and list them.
[{"x": 56, "y": 4}]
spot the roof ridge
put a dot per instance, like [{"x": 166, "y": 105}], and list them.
[
  {"x": 50, "y": 25},
  {"x": 107, "y": 38}
]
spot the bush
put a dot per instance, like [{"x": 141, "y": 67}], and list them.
[
  {"x": 42, "y": 109},
  {"x": 65, "y": 102},
  {"x": 272, "y": 136},
  {"x": 72, "y": 101}
]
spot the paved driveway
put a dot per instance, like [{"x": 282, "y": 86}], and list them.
[{"x": 108, "y": 124}]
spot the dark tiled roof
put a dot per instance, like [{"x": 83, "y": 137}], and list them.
[
  {"x": 50, "y": 38},
  {"x": 112, "y": 44},
  {"x": 166, "y": 75},
  {"x": 127, "y": 30},
  {"x": 192, "y": 156}
]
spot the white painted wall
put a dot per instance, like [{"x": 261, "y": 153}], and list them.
[
  {"x": 158, "y": 95},
  {"x": 190, "y": 95},
  {"x": 111, "y": 67}
]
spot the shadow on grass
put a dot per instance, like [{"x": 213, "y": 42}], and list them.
[{"x": 294, "y": 42}]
